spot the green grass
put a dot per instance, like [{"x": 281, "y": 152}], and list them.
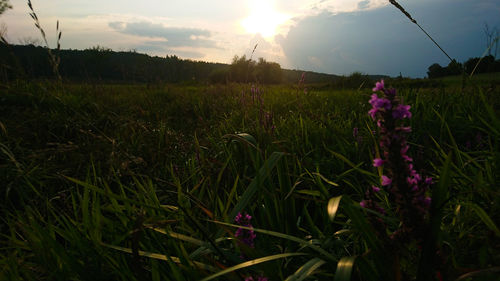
[
  {"x": 134, "y": 182},
  {"x": 484, "y": 79}
]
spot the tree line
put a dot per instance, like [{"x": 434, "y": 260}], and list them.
[
  {"x": 103, "y": 64},
  {"x": 477, "y": 65}
]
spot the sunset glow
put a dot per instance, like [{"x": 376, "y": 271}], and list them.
[{"x": 263, "y": 18}]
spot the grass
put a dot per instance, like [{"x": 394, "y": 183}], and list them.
[
  {"x": 484, "y": 79},
  {"x": 134, "y": 182}
]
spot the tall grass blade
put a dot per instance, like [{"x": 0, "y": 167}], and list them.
[
  {"x": 348, "y": 162},
  {"x": 481, "y": 213},
  {"x": 344, "y": 269},
  {"x": 252, "y": 263},
  {"x": 397, "y": 5},
  {"x": 306, "y": 270},
  {"x": 256, "y": 183},
  {"x": 161, "y": 257},
  {"x": 300, "y": 241},
  {"x": 333, "y": 206},
  {"x": 477, "y": 273}
]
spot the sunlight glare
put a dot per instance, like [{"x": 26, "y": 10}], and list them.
[{"x": 263, "y": 18}]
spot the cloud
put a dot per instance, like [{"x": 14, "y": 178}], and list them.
[
  {"x": 363, "y": 4},
  {"x": 174, "y": 36},
  {"x": 383, "y": 41},
  {"x": 342, "y": 6}
]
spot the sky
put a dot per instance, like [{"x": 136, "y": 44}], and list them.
[{"x": 329, "y": 36}]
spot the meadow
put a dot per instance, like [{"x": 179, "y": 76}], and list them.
[{"x": 155, "y": 182}]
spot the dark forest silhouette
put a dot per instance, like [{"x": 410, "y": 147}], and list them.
[{"x": 103, "y": 64}]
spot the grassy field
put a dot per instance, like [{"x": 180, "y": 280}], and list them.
[
  {"x": 485, "y": 79},
  {"x": 128, "y": 182}
]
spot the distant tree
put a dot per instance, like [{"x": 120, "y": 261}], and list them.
[
  {"x": 489, "y": 62},
  {"x": 435, "y": 71},
  {"x": 4, "y": 5},
  {"x": 496, "y": 66},
  {"x": 268, "y": 72},
  {"x": 103, "y": 64},
  {"x": 219, "y": 76},
  {"x": 355, "y": 80},
  {"x": 486, "y": 64},
  {"x": 471, "y": 63},
  {"x": 454, "y": 68},
  {"x": 358, "y": 80},
  {"x": 98, "y": 48},
  {"x": 241, "y": 69}
]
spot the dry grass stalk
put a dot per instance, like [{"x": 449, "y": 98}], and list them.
[{"x": 397, "y": 5}]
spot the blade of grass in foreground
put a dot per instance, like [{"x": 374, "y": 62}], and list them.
[
  {"x": 161, "y": 257},
  {"x": 481, "y": 213},
  {"x": 348, "y": 162},
  {"x": 333, "y": 206},
  {"x": 284, "y": 236},
  {"x": 306, "y": 270},
  {"x": 256, "y": 183},
  {"x": 108, "y": 193},
  {"x": 189, "y": 239},
  {"x": 344, "y": 269},
  {"x": 251, "y": 263}
]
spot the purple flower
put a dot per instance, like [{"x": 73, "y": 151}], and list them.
[
  {"x": 427, "y": 201},
  {"x": 373, "y": 112},
  {"x": 401, "y": 111},
  {"x": 373, "y": 99},
  {"x": 428, "y": 181},
  {"x": 404, "y": 129},
  {"x": 404, "y": 149},
  {"x": 380, "y": 103},
  {"x": 379, "y": 86},
  {"x": 377, "y": 162},
  {"x": 407, "y": 158},
  {"x": 407, "y": 192},
  {"x": 243, "y": 219},
  {"x": 303, "y": 77},
  {"x": 246, "y": 236},
  {"x": 386, "y": 181}
]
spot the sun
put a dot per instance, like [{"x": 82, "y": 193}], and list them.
[{"x": 263, "y": 18}]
